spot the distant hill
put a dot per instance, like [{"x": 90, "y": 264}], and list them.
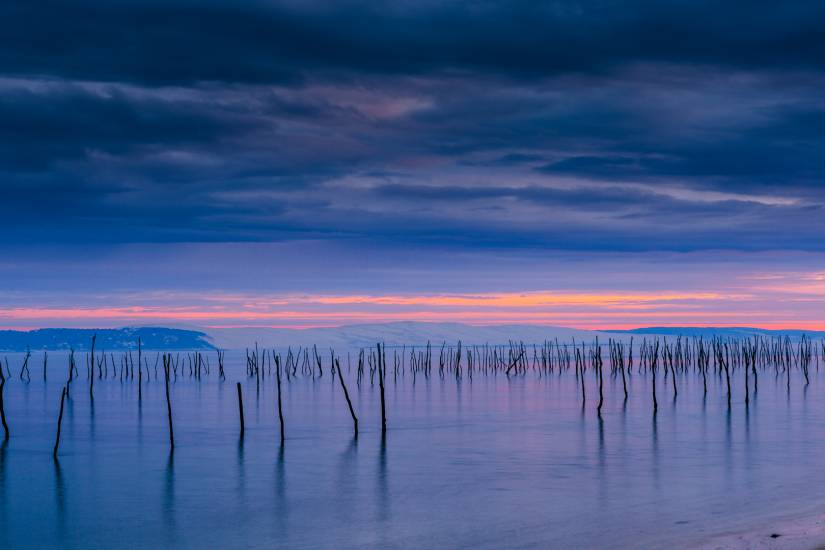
[
  {"x": 733, "y": 332},
  {"x": 348, "y": 336},
  {"x": 154, "y": 338},
  {"x": 397, "y": 334},
  {"x": 411, "y": 333}
]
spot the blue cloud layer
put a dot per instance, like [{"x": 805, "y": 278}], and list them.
[{"x": 583, "y": 126}]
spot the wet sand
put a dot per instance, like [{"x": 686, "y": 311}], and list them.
[{"x": 803, "y": 533}]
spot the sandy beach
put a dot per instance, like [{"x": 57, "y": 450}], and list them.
[{"x": 803, "y": 533}]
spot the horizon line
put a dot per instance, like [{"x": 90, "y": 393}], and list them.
[{"x": 610, "y": 328}]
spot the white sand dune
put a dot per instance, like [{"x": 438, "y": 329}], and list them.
[{"x": 402, "y": 333}]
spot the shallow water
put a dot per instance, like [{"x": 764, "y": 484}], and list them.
[{"x": 490, "y": 462}]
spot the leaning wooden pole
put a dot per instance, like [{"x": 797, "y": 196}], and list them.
[
  {"x": 2, "y": 409},
  {"x": 167, "y": 359},
  {"x": 725, "y": 362},
  {"x": 280, "y": 408},
  {"x": 653, "y": 365},
  {"x": 381, "y": 362},
  {"x": 624, "y": 380},
  {"x": 240, "y": 408},
  {"x": 655, "y": 402},
  {"x": 140, "y": 373},
  {"x": 59, "y": 421},
  {"x": 346, "y": 395},
  {"x": 92, "y": 370}
]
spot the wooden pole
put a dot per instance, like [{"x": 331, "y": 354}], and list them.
[
  {"x": 92, "y": 372},
  {"x": 704, "y": 368},
  {"x": 624, "y": 380},
  {"x": 280, "y": 409},
  {"x": 346, "y": 395},
  {"x": 381, "y": 361},
  {"x": 240, "y": 408},
  {"x": 59, "y": 421},
  {"x": 25, "y": 368},
  {"x": 2, "y": 409},
  {"x": 140, "y": 373},
  {"x": 655, "y": 360},
  {"x": 167, "y": 359},
  {"x": 727, "y": 378}
]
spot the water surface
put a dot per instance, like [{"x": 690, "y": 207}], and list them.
[{"x": 490, "y": 462}]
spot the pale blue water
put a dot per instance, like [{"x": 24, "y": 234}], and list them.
[{"x": 487, "y": 463}]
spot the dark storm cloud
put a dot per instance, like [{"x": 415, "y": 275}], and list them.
[
  {"x": 180, "y": 41},
  {"x": 580, "y": 125},
  {"x": 783, "y": 150},
  {"x": 41, "y": 127}
]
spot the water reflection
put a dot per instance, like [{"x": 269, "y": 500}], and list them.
[
  {"x": 91, "y": 421},
  {"x": 282, "y": 509},
  {"x": 383, "y": 492},
  {"x": 239, "y": 461},
  {"x": 728, "y": 451},
  {"x": 347, "y": 479},
  {"x": 70, "y": 414},
  {"x": 602, "y": 469},
  {"x": 168, "y": 508},
  {"x": 517, "y": 444},
  {"x": 655, "y": 449},
  {"x": 140, "y": 422},
  {"x": 4, "y": 490},
  {"x": 60, "y": 500}
]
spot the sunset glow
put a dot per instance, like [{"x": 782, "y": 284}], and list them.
[{"x": 786, "y": 305}]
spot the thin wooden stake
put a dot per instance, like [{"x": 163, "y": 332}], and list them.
[
  {"x": 240, "y": 408},
  {"x": 346, "y": 395},
  {"x": 140, "y": 373},
  {"x": 59, "y": 422},
  {"x": 92, "y": 371},
  {"x": 167, "y": 359},
  {"x": 280, "y": 409},
  {"x": 2, "y": 409},
  {"x": 381, "y": 363}
]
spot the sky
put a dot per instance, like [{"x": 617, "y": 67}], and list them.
[{"x": 602, "y": 164}]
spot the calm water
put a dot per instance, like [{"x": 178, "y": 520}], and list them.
[{"x": 487, "y": 463}]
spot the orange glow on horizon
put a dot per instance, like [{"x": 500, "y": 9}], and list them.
[{"x": 585, "y": 310}]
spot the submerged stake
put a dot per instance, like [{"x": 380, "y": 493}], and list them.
[
  {"x": 346, "y": 395},
  {"x": 92, "y": 370},
  {"x": 240, "y": 407},
  {"x": 2, "y": 409},
  {"x": 140, "y": 373},
  {"x": 59, "y": 421},
  {"x": 167, "y": 359},
  {"x": 280, "y": 410},
  {"x": 381, "y": 363}
]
